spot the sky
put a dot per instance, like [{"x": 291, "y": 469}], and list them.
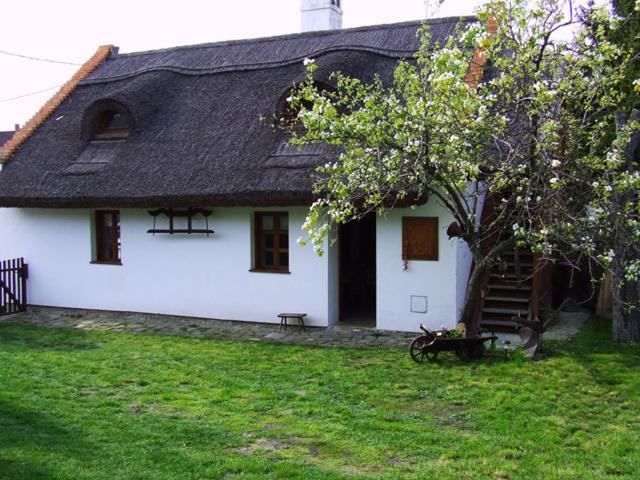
[{"x": 71, "y": 31}]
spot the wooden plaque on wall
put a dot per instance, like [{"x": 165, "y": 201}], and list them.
[{"x": 420, "y": 238}]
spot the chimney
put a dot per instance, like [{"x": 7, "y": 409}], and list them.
[{"x": 321, "y": 15}]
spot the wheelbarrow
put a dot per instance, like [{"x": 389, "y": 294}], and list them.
[{"x": 429, "y": 345}]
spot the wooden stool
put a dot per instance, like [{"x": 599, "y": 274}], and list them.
[{"x": 293, "y": 316}]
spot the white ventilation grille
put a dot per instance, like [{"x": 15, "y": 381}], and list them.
[{"x": 418, "y": 304}]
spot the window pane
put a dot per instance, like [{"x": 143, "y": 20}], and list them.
[
  {"x": 107, "y": 253},
  {"x": 117, "y": 121},
  {"x": 284, "y": 259},
  {"x": 267, "y": 222},
  {"x": 268, "y": 240},
  {"x": 271, "y": 238},
  {"x": 107, "y": 236}
]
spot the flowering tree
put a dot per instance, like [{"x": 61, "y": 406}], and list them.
[
  {"x": 449, "y": 129},
  {"x": 601, "y": 177}
]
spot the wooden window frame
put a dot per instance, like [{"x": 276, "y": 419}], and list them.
[
  {"x": 260, "y": 249},
  {"x": 104, "y": 132},
  {"x": 407, "y": 254},
  {"x": 114, "y": 245}
]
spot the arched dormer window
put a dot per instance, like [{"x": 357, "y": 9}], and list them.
[
  {"x": 107, "y": 120},
  {"x": 110, "y": 125}
]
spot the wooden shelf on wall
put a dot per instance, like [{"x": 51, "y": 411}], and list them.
[{"x": 188, "y": 213}]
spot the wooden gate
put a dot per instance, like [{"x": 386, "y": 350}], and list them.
[{"x": 13, "y": 286}]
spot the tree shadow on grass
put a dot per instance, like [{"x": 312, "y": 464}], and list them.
[
  {"x": 28, "y": 336},
  {"x": 608, "y": 362},
  {"x": 30, "y": 439}
]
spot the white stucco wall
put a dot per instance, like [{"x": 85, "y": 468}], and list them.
[
  {"x": 169, "y": 274},
  {"x": 436, "y": 280},
  {"x": 193, "y": 275},
  {"x": 463, "y": 265}
]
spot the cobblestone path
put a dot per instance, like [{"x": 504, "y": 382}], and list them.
[{"x": 339, "y": 336}]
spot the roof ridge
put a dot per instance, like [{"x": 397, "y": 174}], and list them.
[
  {"x": 318, "y": 33},
  {"x": 387, "y": 52},
  {"x": 21, "y": 136}
]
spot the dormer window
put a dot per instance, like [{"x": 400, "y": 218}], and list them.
[
  {"x": 110, "y": 125},
  {"x": 288, "y": 114}
]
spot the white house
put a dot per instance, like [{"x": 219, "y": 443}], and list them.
[{"x": 149, "y": 183}]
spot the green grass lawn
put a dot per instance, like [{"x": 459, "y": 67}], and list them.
[{"x": 89, "y": 405}]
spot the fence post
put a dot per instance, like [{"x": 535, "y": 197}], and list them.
[{"x": 24, "y": 274}]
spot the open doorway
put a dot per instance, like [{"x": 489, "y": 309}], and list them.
[{"x": 357, "y": 242}]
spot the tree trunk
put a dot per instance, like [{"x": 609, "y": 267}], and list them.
[
  {"x": 626, "y": 313},
  {"x": 626, "y": 295},
  {"x": 470, "y": 309},
  {"x": 470, "y": 314},
  {"x": 604, "y": 307}
]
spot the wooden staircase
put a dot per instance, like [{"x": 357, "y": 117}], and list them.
[{"x": 507, "y": 292}]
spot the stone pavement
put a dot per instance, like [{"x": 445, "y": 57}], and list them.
[
  {"x": 567, "y": 325},
  {"x": 338, "y": 336}
]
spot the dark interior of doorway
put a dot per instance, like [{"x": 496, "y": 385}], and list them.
[{"x": 358, "y": 272}]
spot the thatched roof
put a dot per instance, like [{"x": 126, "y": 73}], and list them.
[{"x": 194, "y": 113}]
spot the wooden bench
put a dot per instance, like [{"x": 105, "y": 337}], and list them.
[{"x": 292, "y": 316}]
